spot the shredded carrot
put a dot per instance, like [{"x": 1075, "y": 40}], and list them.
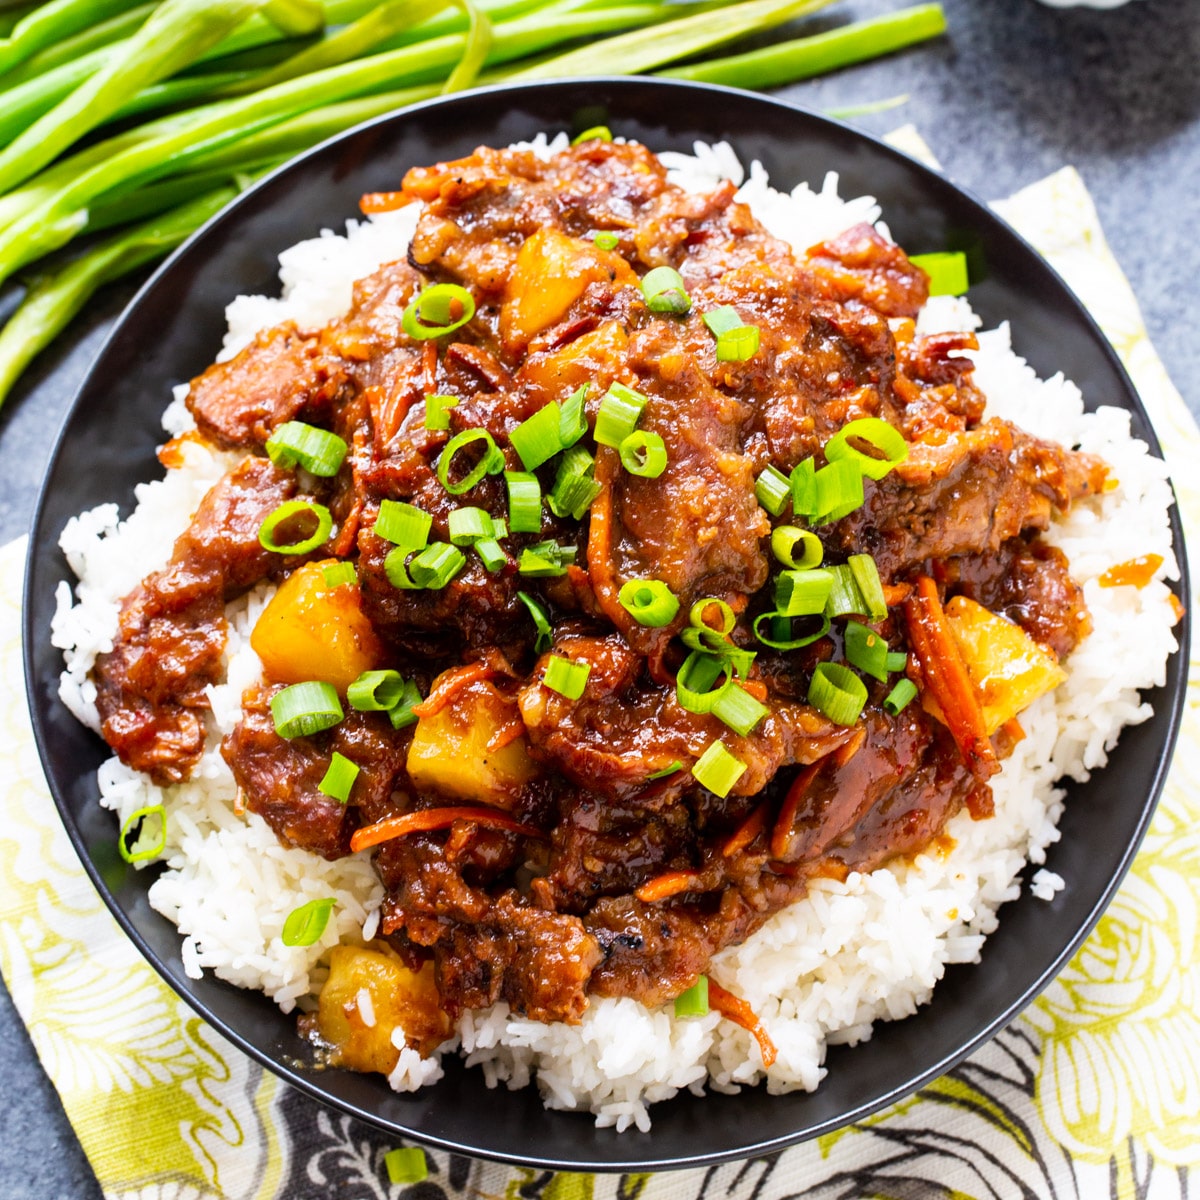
[
  {"x": 429, "y": 364},
  {"x": 661, "y": 887},
  {"x": 599, "y": 547},
  {"x": 1176, "y": 607},
  {"x": 1014, "y": 730},
  {"x": 749, "y": 829},
  {"x": 1136, "y": 572},
  {"x": 172, "y": 454},
  {"x": 734, "y": 1008},
  {"x": 426, "y": 820},
  {"x": 756, "y": 688},
  {"x": 896, "y": 593},
  {"x": 944, "y": 673},
  {"x": 506, "y": 734},
  {"x": 449, "y": 684},
  {"x": 377, "y": 202},
  {"x": 347, "y": 534},
  {"x": 239, "y": 802},
  {"x": 781, "y": 835}
]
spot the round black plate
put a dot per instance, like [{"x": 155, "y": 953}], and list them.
[{"x": 171, "y": 332}]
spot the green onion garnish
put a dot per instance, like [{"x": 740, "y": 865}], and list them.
[
  {"x": 866, "y": 575},
  {"x": 316, "y": 450},
  {"x": 338, "y": 780},
  {"x": 722, "y": 320},
  {"x": 947, "y": 272},
  {"x": 491, "y": 461},
  {"x": 664, "y": 291},
  {"x": 338, "y": 573},
  {"x": 545, "y": 559},
  {"x": 718, "y": 770},
  {"x": 470, "y": 525},
  {"x": 695, "y": 679},
  {"x": 135, "y": 826},
  {"x": 844, "y": 596},
  {"x": 305, "y": 708},
  {"x": 395, "y": 567},
  {"x": 299, "y": 513},
  {"x": 596, "y": 133},
  {"x": 649, "y": 602},
  {"x": 403, "y": 524},
  {"x": 438, "y": 310},
  {"x": 406, "y": 1164},
  {"x": 803, "y": 480},
  {"x": 436, "y": 565},
  {"x": 738, "y": 709},
  {"x": 618, "y": 415},
  {"x": 304, "y": 925},
  {"x": 700, "y": 635},
  {"x": 772, "y": 490},
  {"x": 541, "y": 618},
  {"x": 879, "y": 435},
  {"x": 670, "y": 769},
  {"x": 491, "y": 553},
  {"x": 694, "y": 1001},
  {"x": 900, "y": 697},
  {"x": 376, "y": 691},
  {"x": 837, "y": 692},
  {"x": 574, "y": 486},
  {"x": 780, "y": 635},
  {"x": 566, "y": 677},
  {"x": 866, "y": 650},
  {"x": 897, "y": 660},
  {"x": 644, "y": 454},
  {"x": 785, "y": 539},
  {"x": 738, "y": 345},
  {"x": 839, "y": 488},
  {"x": 402, "y": 715},
  {"x": 572, "y": 423},
  {"x": 437, "y": 411},
  {"x": 537, "y": 439},
  {"x": 803, "y": 593},
  {"x": 605, "y": 240},
  {"x": 524, "y": 501}
]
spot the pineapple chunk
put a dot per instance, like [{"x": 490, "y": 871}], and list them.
[
  {"x": 449, "y": 752},
  {"x": 359, "y": 1026},
  {"x": 1008, "y": 668}
]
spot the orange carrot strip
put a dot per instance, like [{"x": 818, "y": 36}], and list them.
[
  {"x": 449, "y": 684},
  {"x": 781, "y": 835},
  {"x": 669, "y": 884},
  {"x": 506, "y": 734},
  {"x": 599, "y": 547},
  {"x": 1014, "y": 730},
  {"x": 944, "y": 673},
  {"x": 377, "y": 202},
  {"x": 896, "y": 593},
  {"x": 756, "y": 688},
  {"x": 734, "y": 1008},
  {"x": 1176, "y": 607},
  {"x": 749, "y": 829},
  {"x": 426, "y": 820},
  {"x": 1136, "y": 572}
]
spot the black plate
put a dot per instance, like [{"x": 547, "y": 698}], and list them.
[{"x": 171, "y": 332}]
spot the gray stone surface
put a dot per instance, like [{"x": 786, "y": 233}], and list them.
[{"x": 1014, "y": 92}]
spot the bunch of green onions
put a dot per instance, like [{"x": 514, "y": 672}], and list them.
[{"x": 124, "y": 126}]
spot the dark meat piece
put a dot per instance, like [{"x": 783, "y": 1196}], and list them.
[
  {"x": 150, "y": 686},
  {"x": 861, "y": 265}
]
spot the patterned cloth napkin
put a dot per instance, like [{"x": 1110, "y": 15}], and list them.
[{"x": 1093, "y": 1092}]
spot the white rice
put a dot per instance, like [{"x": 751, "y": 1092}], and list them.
[{"x": 822, "y": 971}]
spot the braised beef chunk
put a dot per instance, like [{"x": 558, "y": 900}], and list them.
[{"x": 544, "y": 838}]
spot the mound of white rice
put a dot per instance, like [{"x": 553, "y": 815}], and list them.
[{"x": 820, "y": 972}]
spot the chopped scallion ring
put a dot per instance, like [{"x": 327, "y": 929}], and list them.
[
  {"x": 595, "y": 133},
  {"x": 338, "y": 573},
  {"x": 491, "y": 553},
  {"x": 305, "y": 708},
  {"x": 695, "y": 679},
  {"x": 376, "y": 691},
  {"x": 866, "y": 575},
  {"x": 844, "y": 596},
  {"x": 803, "y": 593},
  {"x": 649, "y": 602},
  {"x": 574, "y": 486},
  {"x": 524, "y": 501},
  {"x": 537, "y": 439},
  {"x": 470, "y": 525},
  {"x": 403, "y": 524},
  {"x": 803, "y": 480},
  {"x": 643, "y": 454},
  {"x": 780, "y": 636},
  {"x": 605, "y": 240},
  {"x": 402, "y": 715},
  {"x": 718, "y": 770},
  {"x": 395, "y": 567},
  {"x": 738, "y": 345},
  {"x": 786, "y": 538},
  {"x": 406, "y": 1164},
  {"x": 541, "y": 619},
  {"x": 694, "y": 1001},
  {"x": 837, "y": 692},
  {"x": 722, "y": 320},
  {"x": 438, "y": 310},
  {"x": 298, "y": 514},
  {"x": 839, "y": 488},
  {"x": 738, "y": 709},
  {"x": 617, "y": 417},
  {"x": 572, "y": 424},
  {"x": 316, "y": 450},
  {"x": 699, "y": 612},
  {"x": 545, "y": 559},
  {"x": 876, "y": 433},
  {"x": 866, "y": 650},
  {"x": 899, "y": 698},
  {"x": 671, "y": 768},
  {"x": 490, "y": 462},
  {"x": 304, "y": 925},
  {"x": 437, "y": 411},
  {"x": 566, "y": 677},
  {"x": 664, "y": 292},
  {"x": 436, "y": 565},
  {"x": 772, "y": 490},
  {"x": 897, "y": 661},
  {"x": 134, "y": 826},
  {"x": 338, "y": 780},
  {"x": 947, "y": 271}
]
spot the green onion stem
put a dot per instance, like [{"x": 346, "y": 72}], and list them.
[{"x": 52, "y": 23}]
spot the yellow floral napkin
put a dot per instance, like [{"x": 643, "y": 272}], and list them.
[{"x": 1094, "y": 1092}]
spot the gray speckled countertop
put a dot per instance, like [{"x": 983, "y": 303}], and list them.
[{"x": 1014, "y": 92}]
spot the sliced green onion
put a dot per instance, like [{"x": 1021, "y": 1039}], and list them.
[
  {"x": 866, "y": 575},
  {"x": 395, "y": 567},
  {"x": 499, "y": 528},
  {"x": 437, "y": 411},
  {"x": 376, "y": 691},
  {"x": 316, "y": 450},
  {"x": 305, "y": 708},
  {"x": 866, "y": 650},
  {"x": 947, "y": 271},
  {"x": 566, "y": 677},
  {"x": 780, "y": 637},
  {"x": 537, "y": 439},
  {"x": 897, "y": 660},
  {"x": 491, "y": 553},
  {"x": 786, "y": 538},
  {"x": 803, "y": 593},
  {"x": 524, "y": 500},
  {"x": 596, "y": 133},
  {"x": 649, "y": 602},
  {"x": 879, "y": 435},
  {"x": 618, "y": 415},
  {"x": 406, "y": 1164},
  {"x": 670, "y": 769},
  {"x": 403, "y": 524},
  {"x": 402, "y": 715},
  {"x": 738, "y": 345},
  {"x": 803, "y": 480},
  {"x": 605, "y": 240},
  {"x": 698, "y": 613},
  {"x": 900, "y": 697},
  {"x": 436, "y": 565},
  {"x": 844, "y": 597},
  {"x": 722, "y": 320},
  {"x": 772, "y": 490},
  {"x": 136, "y": 822},
  {"x": 574, "y": 486},
  {"x": 438, "y": 310},
  {"x": 839, "y": 489},
  {"x": 695, "y": 679},
  {"x": 837, "y": 692},
  {"x": 338, "y": 573},
  {"x": 694, "y": 1001},
  {"x": 718, "y": 770},
  {"x": 572, "y": 424},
  {"x": 300, "y": 512},
  {"x": 470, "y": 525},
  {"x": 738, "y": 709},
  {"x": 643, "y": 454},
  {"x": 487, "y": 464},
  {"x": 545, "y": 560},
  {"x": 304, "y": 925},
  {"x": 338, "y": 780},
  {"x": 541, "y": 618},
  {"x": 664, "y": 291}
]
